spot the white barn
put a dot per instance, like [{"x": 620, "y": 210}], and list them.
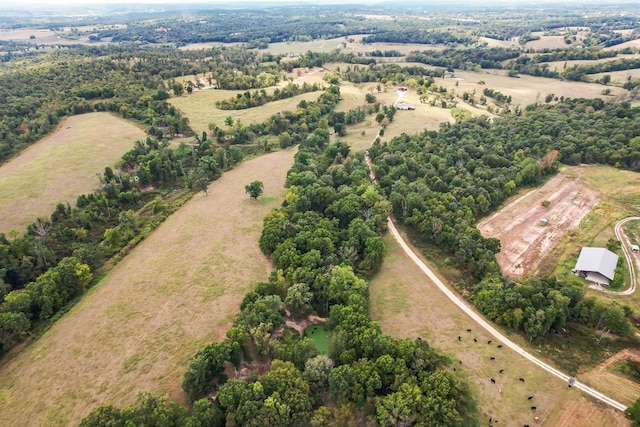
[{"x": 597, "y": 265}]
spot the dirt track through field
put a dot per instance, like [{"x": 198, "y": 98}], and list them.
[
  {"x": 525, "y": 240},
  {"x": 178, "y": 290}
]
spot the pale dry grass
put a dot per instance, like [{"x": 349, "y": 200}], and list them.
[
  {"x": 327, "y": 45},
  {"x": 175, "y": 292},
  {"x": 407, "y": 304},
  {"x": 24, "y": 34},
  {"x": 560, "y": 66},
  {"x": 618, "y": 78},
  {"x": 201, "y": 110},
  {"x": 525, "y": 89},
  {"x": 61, "y": 166}
]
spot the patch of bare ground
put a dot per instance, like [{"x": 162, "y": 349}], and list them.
[
  {"x": 176, "y": 291},
  {"x": 407, "y": 304},
  {"x": 519, "y": 225},
  {"x": 607, "y": 381},
  {"x": 582, "y": 413}
]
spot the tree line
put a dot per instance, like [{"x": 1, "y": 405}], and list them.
[{"x": 257, "y": 98}]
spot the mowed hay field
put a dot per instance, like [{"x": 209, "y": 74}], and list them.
[
  {"x": 407, "y": 304},
  {"x": 135, "y": 331},
  {"x": 200, "y": 108},
  {"x": 61, "y": 166},
  {"x": 524, "y": 89}
]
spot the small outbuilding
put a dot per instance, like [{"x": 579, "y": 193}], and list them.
[{"x": 597, "y": 265}]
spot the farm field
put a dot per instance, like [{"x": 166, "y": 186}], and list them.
[
  {"x": 525, "y": 241},
  {"x": 525, "y": 89},
  {"x": 179, "y": 289},
  {"x": 201, "y": 110},
  {"x": 61, "y": 166},
  {"x": 407, "y": 304},
  {"x": 560, "y": 65},
  {"x": 617, "y": 77},
  {"x": 302, "y": 47}
]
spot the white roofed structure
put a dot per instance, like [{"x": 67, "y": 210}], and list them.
[{"x": 597, "y": 265}]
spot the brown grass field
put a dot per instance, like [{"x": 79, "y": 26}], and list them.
[
  {"x": 525, "y": 89},
  {"x": 201, "y": 110},
  {"x": 61, "y": 166},
  {"x": 135, "y": 330},
  {"x": 407, "y": 304},
  {"x": 618, "y": 78},
  {"x": 560, "y": 65}
]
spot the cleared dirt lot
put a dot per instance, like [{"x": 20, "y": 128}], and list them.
[
  {"x": 525, "y": 241},
  {"x": 61, "y": 166},
  {"x": 135, "y": 331}
]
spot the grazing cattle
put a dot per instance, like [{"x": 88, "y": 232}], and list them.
[
  {"x": 492, "y": 380},
  {"x": 499, "y": 345},
  {"x": 526, "y": 425},
  {"x": 492, "y": 358},
  {"x": 501, "y": 370},
  {"x": 468, "y": 330},
  {"x": 460, "y": 361},
  {"x": 489, "y": 342},
  {"x": 521, "y": 379},
  {"x": 530, "y": 397},
  {"x": 533, "y": 408},
  {"x": 475, "y": 340},
  {"x": 459, "y": 338}
]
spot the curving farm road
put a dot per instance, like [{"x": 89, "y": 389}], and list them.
[
  {"x": 631, "y": 260},
  {"x": 480, "y": 320},
  {"x": 490, "y": 329}
]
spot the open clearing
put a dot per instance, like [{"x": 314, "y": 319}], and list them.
[
  {"x": 201, "y": 109},
  {"x": 408, "y": 304},
  {"x": 178, "y": 290},
  {"x": 61, "y": 166},
  {"x": 518, "y": 225},
  {"x": 524, "y": 89},
  {"x": 606, "y": 380}
]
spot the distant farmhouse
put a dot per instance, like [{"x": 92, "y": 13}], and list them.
[{"x": 596, "y": 265}]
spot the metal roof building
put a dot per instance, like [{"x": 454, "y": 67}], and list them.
[{"x": 597, "y": 265}]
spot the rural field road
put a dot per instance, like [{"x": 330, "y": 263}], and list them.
[
  {"x": 631, "y": 259},
  {"x": 490, "y": 329},
  {"x": 481, "y": 320}
]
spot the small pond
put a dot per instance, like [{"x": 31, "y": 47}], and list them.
[{"x": 320, "y": 336}]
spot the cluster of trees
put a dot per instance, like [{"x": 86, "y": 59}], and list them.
[
  {"x": 325, "y": 233},
  {"x": 465, "y": 59},
  {"x": 539, "y": 306},
  {"x": 498, "y": 96},
  {"x": 41, "y": 299},
  {"x": 257, "y": 98},
  {"x": 439, "y": 183},
  {"x": 418, "y": 34}
]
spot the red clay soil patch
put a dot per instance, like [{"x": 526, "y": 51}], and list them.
[{"x": 525, "y": 241}]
